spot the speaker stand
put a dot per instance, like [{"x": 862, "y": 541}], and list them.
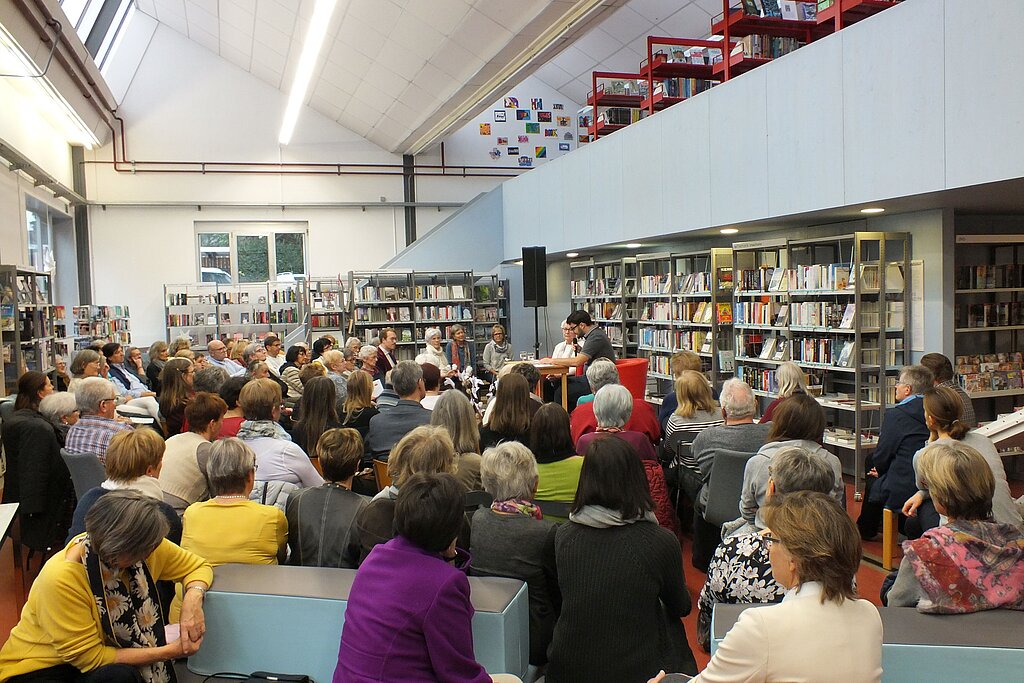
[{"x": 536, "y": 334}]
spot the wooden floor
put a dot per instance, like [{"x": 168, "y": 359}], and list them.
[{"x": 869, "y": 581}]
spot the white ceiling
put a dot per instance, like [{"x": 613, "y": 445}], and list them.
[{"x": 399, "y": 71}]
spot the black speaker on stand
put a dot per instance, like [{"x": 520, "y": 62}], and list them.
[{"x": 535, "y": 287}]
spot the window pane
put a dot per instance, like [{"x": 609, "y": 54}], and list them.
[
  {"x": 289, "y": 253},
  {"x": 38, "y": 232},
  {"x": 253, "y": 258},
  {"x": 215, "y": 257}
]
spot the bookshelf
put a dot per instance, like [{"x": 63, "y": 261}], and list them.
[
  {"x": 26, "y": 323},
  {"x": 383, "y": 299},
  {"x": 655, "y": 327},
  {"x": 989, "y": 313},
  {"x": 842, "y": 13},
  {"x": 760, "y": 314},
  {"x": 755, "y": 39},
  {"x": 490, "y": 307},
  {"x": 102, "y": 323},
  {"x": 441, "y": 300},
  {"x": 208, "y": 311},
  {"x": 702, "y": 309},
  {"x": 615, "y": 100},
  {"x": 327, "y": 301},
  {"x": 607, "y": 289},
  {"x": 676, "y": 69}
]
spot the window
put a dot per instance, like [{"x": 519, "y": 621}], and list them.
[
  {"x": 251, "y": 252},
  {"x": 99, "y": 24},
  {"x": 40, "y": 234}
]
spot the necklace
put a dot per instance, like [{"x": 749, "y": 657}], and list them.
[{"x": 241, "y": 496}]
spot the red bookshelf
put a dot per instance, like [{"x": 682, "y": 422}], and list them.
[
  {"x": 845, "y": 12},
  {"x": 736, "y": 23},
  {"x": 602, "y": 97},
  {"x": 659, "y": 66}
]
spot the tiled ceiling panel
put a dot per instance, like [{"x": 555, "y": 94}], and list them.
[{"x": 400, "y": 71}]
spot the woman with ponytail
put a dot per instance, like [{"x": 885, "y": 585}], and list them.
[{"x": 944, "y": 417}]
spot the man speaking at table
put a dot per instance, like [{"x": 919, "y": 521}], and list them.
[{"x": 594, "y": 345}]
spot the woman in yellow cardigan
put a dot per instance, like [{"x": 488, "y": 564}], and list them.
[{"x": 92, "y": 614}]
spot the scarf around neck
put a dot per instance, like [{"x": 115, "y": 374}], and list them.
[
  {"x": 146, "y": 485},
  {"x": 969, "y": 566},
  {"x": 517, "y": 506},
  {"x": 129, "y": 610},
  {"x": 500, "y": 348},
  {"x": 600, "y": 517},
  {"x": 254, "y": 429}
]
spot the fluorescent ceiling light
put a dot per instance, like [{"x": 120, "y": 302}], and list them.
[
  {"x": 318, "y": 25},
  {"x": 572, "y": 254},
  {"x": 634, "y": 245},
  {"x": 518, "y": 263},
  {"x": 873, "y": 209},
  {"x": 729, "y": 231}
]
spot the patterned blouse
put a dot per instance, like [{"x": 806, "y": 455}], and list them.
[{"x": 738, "y": 573}]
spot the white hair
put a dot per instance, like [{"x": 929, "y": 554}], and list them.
[
  {"x": 613, "y": 404},
  {"x": 91, "y": 392},
  {"x": 737, "y": 399},
  {"x": 367, "y": 351},
  {"x": 509, "y": 471},
  {"x": 601, "y": 373},
  {"x": 431, "y": 333}
]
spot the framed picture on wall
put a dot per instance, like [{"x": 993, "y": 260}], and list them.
[
  {"x": 533, "y": 128},
  {"x": 513, "y": 151},
  {"x": 551, "y": 132},
  {"x": 525, "y": 161},
  {"x": 564, "y": 147},
  {"x": 522, "y": 114},
  {"x": 511, "y": 103},
  {"x": 557, "y": 107},
  {"x": 502, "y": 141},
  {"x": 544, "y": 116},
  {"x": 499, "y": 116}
]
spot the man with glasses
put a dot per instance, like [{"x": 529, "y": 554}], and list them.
[
  {"x": 98, "y": 423},
  {"x": 595, "y": 344},
  {"x": 275, "y": 358},
  {"x": 891, "y": 480},
  {"x": 219, "y": 356}
]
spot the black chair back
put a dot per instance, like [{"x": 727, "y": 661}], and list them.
[
  {"x": 725, "y": 487},
  {"x": 478, "y": 499},
  {"x": 557, "y": 509},
  {"x": 86, "y": 471}
]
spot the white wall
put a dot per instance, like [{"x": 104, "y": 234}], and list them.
[{"x": 888, "y": 107}]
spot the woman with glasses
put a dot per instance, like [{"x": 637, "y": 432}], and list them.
[
  {"x": 497, "y": 352},
  {"x": 820, "y": 631}
]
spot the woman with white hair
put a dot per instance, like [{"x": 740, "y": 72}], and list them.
[
  {"x": 512, "y": 539},
  {"x": 368, "y": 359},
  {"x": 791, "y": 380},
  {"x": 613, "y": 405},
  {"x": 435, "y": 352},
  {"x": 61, "y": 409}
]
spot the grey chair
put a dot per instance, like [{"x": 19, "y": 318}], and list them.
[
  {"x": 86, "y": 471},
  {"x": 7, "y": 407},
  {"x": 478, "y": 499},
  {"x": 725, "y": 487}
]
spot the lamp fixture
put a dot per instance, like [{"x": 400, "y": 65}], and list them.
[
  {"x": 634, "y": 245},
  {"x": 572, "y": 254},
  {"x": 517, "y": 262},
  {"x": 873, "y": 209},
  {"x": 315, "y": 35},
  {"x": 729, "y": 231}
]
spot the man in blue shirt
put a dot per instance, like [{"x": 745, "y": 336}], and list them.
[
  {"x": 130, "y": 385},
  {"x": 218, "y": 355}
]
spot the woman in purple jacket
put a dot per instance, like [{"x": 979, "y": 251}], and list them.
[{"x": 409, "y": 615}]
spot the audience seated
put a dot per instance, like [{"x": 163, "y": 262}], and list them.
[
  {"x": 942, "y": 408},
  {"x": 457, "y": 415},
  {"x": 621, "y": 579},
  {"x": 92, "y": 613},
  {"x": 513, "y": 411},
  {"x": 612, "y": 408},
  {"x": 512, "y": 539},
  {"x": 86, "y": 363},
  {"x": 359, "y": 408},
  {"x": 942, "y": 376},
  {"x": 497, "y": 352},
  {"x": 532, "y": 375},
  {"x": 277, "y": 457},
  {"x": 234, "y": 417},
  {"x": 740, "y": 572},
  {"x": 339, "y": 367},
  {"x": 134, "y": 364},
  {"x": 426, "y": 449},
  {"x": 36, "y": 478},
  {"x": 791, "y": 380},
  {"x": 61, "y": 409},
  {"x": 387, "y": 398},
  {"x": 211, "y": 379},
  {"x": 890, "y": 481},
  {"x": 97, "y": 423},
  {"x": 388, "y": 428},
  {"x": 320, "y": 347},
  {"x": 176, "y": 392},
  {"x": 317, "y": 413},
  {"x": 695, "y": 411},
  {"x": 969, "y": 564},
  {"x": 558, "y": 466},
  {"x": 275, "y": 353},
  {"x": 368, "y": 361},
  {"x": 158, "y": 355},
  {"x": 322, "y": 529},
  {"x": 129, "y": 381},
  {"x": 183, "y": 475},
  {"x": 460, "y": 353},
  {"x": 680, "y": 361},
  {"x": 409, "y": 614},
  {"x": 218, "y": 357},
  {"x": 296, "y": 357},
  {"x": 820, "y": 631},
  {"x": 431, "y": 385},
  {"x": 799, "y": 422},
  {"x": 642, "y": 418}
]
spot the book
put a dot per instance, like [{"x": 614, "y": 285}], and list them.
[
  {"x": 780, "y": 349},
  {"x": 847, "y": 322},
  {"x": 783, "y": 318},
  {"x": 724, "y": 313},
  {"x": 727, "y": 361},
  {"x": 846, "y": 355},
  {"x": 775, "y": 284},
  {"x": 769, "y": 348}
]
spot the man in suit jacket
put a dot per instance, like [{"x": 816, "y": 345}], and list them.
[
  {"x": 903, "y": 433},
  {"x": 388, "y": 428}
]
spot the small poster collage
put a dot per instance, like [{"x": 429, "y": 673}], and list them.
[{"x": 542, "y": 131}]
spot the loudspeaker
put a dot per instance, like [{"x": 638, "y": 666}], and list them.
[{"x": 535, "y": 277}]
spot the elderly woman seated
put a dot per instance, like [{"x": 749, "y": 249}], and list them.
[
  {"x": 340, "y": 365},
  {"x": 322, "y": 520},
  {"x": 411, "y": 593},
  {"x": 601, "y": 373},
  {"x": 740, "y": 572},
  {"x": 67, "y": 632},
  {"x": 61, "y": 409},
  {"x": 970, "y": 564},
  {"x": 820, "y": 631},
  {"x": 613, "y": 405},
  {"x": 183, "y": 476},
  {"x": 434, "y": 351},
  {"x": 511, "y": 539}
]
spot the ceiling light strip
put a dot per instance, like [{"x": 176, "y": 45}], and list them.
[{"x": 313, "y": 43}]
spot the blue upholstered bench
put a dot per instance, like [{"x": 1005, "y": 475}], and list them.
[
  {"x": 986, "y": 646},
  {"x": 289, "y": 620}
]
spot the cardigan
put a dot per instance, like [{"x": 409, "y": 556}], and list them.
[
  {"x": 755, "y": 478},
  {"x": 60, "y": 623},
  {"x": 623, "y": 593},
  {"x": 181, "y": 475},
  {"x": 408, "y": 619}
]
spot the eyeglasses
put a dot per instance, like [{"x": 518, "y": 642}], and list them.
[
  {"x": 771, "y": 540},
  {"x": 108, "y": 399}
]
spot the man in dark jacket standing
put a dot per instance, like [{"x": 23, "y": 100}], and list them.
[{"x": 903, "y": 433}]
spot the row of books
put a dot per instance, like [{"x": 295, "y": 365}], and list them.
[
  {"x": 760, "y": 379},
  {"x": 831, "y": 277},
  {"x": 286, "y": 315},
  {"x": 102, "y": 328},
  {"x": 373, "y": 333},
  {"x": 821, "y": 314},
  {"x": 991, "y": 381},
  {"x": 438, "y": 313},
  {"x": 619, "y": 116},
  {"x": 608, "y": 310},
  {"x": 611, "y": 286},
  {"x": 330, "y": 300},
  {"x": 654, "y": 284},
  {"x": 659, "y": 364},
  {"x": 371, "y": 293},
  {"x": 694, "y": 54},
  {"x": 683, "y": 87},
  {"x": 990, "y": 362},
  {"x": 998, "y": 314},
  {"x": 382, "y": 314},
  {"x": 762, "y": 46},
  {"x": 441, "y": 292},
  {"x": 694, "y": 340},
  {"x": 759, "y": 313},
  {"x": 326, "y": 321},
  {"x": 92, "y": 312},
  {"x": 695, "y": 283},
  {"x": 658, "y": 310},
  {"x": 990, "y": 276},
  {"x": 659, "y": 338},
  {"x": 488, "y": 314},
  {"x": 791, "y": 10},
  {"x": 823, "y": 351}
]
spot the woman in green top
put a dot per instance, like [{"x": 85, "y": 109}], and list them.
[{"x": 558, "y": 466}]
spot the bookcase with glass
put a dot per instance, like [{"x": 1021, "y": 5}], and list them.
[
  {"x": 26, "y": 323},
  {"x": 490, "y": 307},
  {"x": 382, "y": 299},
  {"x": 654, "y": 327},
  {"x": 442, "y": 300},
  {"x": 989, "y": 328},
  {"x": 607, "y": 289},
  {"x": 327, "y": 301}
]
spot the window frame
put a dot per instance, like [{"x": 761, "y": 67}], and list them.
[{"x": 267, "y": 229}]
